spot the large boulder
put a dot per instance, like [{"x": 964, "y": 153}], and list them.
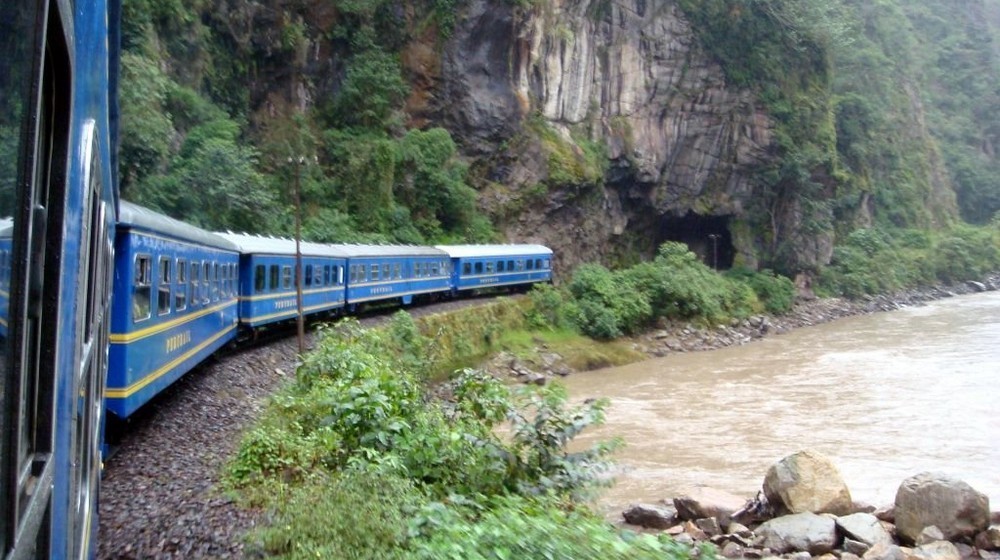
[
  {"x": 951, "y": 505},
  {"x": 699, "y": 502},
  {"x": 800, "y": 532},
  {"x": 807, "y": 481}
]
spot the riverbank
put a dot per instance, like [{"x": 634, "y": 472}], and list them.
[{"x": 673, "y": 337}]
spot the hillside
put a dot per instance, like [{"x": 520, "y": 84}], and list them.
[{"x": 599, "y": 128}]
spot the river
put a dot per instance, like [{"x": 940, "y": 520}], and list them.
[{"x": 886, "y": 396}]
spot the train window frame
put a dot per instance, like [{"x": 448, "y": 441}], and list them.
[
  {"x": 538, "y": 264},
  {"x": 530, "y": 265},
  {"x": 215, "y": 281},
  {"x": 259, "y": 278},
  {"x": 195, "y": 283},
  {"x": 478, "y": 267},
  {"x": 163, "y": 286},
  {"x": 510, "y": 266},
  {"x": 362, "y": 273},
  {"x": 273, "y": 277},
  {"x": 340, "y": 275},
  {"x": 466, "y": 268},
  {"x": 386, "y": 271},
  {"x": 307, "y": 276},
  {"x": 374, "y": 272},
  {"x": 489, "y": 267},
  {"x": 286, "y": 277},
  {"x": 206, "y": 284},
  {"x": 327, "y": 275},
  {"x": 142, "y": 287},
  {"x": 180, "y": 295},
  {"x": 500, "y": 266}
]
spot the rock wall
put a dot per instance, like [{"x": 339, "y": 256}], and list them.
[{"x": 629, "y": 75}]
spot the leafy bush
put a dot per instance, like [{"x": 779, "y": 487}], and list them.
[
  {"x": 777, "y": 293},
  {"x": 548, "y": 305},
  {"x": 607, "y": 304},
  {"x": 511, "y": 527}
]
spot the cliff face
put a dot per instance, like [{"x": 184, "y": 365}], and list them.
[{"x": 681, "y": 146}]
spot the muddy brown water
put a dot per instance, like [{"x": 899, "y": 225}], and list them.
[{"x": 886, "y": 396}]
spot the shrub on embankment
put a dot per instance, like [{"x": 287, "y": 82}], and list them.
[
  {"x": 355, "y": 459},
  {"x": 676, "y": 285},
  {"x": 880, "y": 260}
]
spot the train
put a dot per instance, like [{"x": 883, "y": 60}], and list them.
[
  {"x": 181, "y": 293},
  {"x": 104, "y": 304}
]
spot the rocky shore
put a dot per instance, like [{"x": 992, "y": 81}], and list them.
[
  {"x": 805, "y": 511},
  {"x": 684, "y": 337}
]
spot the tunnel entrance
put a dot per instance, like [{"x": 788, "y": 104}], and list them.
[{"x": 706, "y": 236}]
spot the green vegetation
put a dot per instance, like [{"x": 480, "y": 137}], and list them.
[
  {"x": 674, "y": 286},
  {"x": 355, "y": 459},
  {"x": 873, "y": 261},
  {"x": 194, "y": 148}
]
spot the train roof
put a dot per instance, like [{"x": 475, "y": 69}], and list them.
[
  {"x": 134, "y": 216},
  {"x": 248, "y": 244},
  {"x": 361, "y": 250},
  {"x": 512, "y": 250}
]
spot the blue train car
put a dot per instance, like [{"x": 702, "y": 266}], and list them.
[
  {"x": 58, "y": 67},
  {"x": 476, "y": 267},
  {"x": 267, "y": 279},
  {"x": 394, "y": 273},
  {"x": 175, "y": 295}
]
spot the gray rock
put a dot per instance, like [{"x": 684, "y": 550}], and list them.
[
  {"x": 701, "y": 501},
  {"x": 884, "y": 551},
  {"x": 934, "y": 499},
  {"x": 929, "y": 534},
  {"x": 805, "y": 532},
  {"x": 732, "y": 550},
  {"x": 864, "y": 527},
  {"x": 710, "y": 525},
  {"x": 849, "y": 556},
  {"x": 807, "y": 481},
  {"x": 886, "y": 513},
  {"x": 650, "y": 516},
  {"x": 940, "y": 550},
  {"x": 989, "y": 539},
  {"x": 855, "y": 547}
]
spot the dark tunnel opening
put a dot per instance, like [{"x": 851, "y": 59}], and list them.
[{"x": 706, "y": 236}]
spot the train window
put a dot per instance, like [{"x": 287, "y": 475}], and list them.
[
  {"x": 286, "y": 277},
  {"x": 318, "y": 275},
  {"x": 308, "y": 277},
  {"x": 499, "y": 266},
  {"x": 142, "y": 291},
  {"x": 362, "y": 273},
  {"x": 547, "y": 263},
  {"x": 180, "y": 295},
  {"x": 163, "y": 298},
  {"x": 354, "y": 273},
  {"x": 489, "y": 267},
  {"x": 479, "y": 268},
  {"x": 340, "y": 275},
  {"x": 215, "y": 282},
  {"x": 510, "y": 266},
  {"x": 466, "y": 268},
  {"x": 195, "y": 283},
  {"x": 259, "y": 278},
  {"x": 327, "y": 277},
  {"x": 274, "y": 275},
  {"x": 206, "y": 282},
  {"x": 531, "y": 264},
  {"x": 435, "y": 268},
  {"x": 538, "y": 264}
]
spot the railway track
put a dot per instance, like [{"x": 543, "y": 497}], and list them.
[{"x": 159, "y": 495}]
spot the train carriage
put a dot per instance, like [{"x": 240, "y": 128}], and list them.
[
  {"x": 395, "y": 272},
  {"x": 477, "y": 267},
  {"x": 175, "y": 294},
  {"x": 267, "y": 291}
]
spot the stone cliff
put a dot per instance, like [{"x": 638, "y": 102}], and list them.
[{"x": 680, "y": 145}]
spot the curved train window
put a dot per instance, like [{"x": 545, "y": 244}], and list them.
[
  {"x": 163, "y": 299},
  {"x": 180, "y": 295},
  {"x": 142, "y": 290},
  {"x": 286, "y": 277}
]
